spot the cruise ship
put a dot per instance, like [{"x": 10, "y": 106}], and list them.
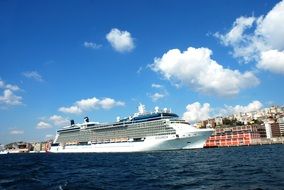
[{"x": 144, "y": 131}]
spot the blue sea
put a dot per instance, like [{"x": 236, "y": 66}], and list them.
[{"x": 250, "y": 167}]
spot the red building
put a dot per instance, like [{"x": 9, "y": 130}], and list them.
[{"x": 235, "y": 136}]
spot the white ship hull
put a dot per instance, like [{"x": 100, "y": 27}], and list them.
[{"x": 190, "y": 140}]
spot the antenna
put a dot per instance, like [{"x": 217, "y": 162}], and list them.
[
  {"x": 141, "y": 109},
  {"x": 156, "y": 109}
]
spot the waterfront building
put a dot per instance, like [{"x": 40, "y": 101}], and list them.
[
  {"x": 235, "y": 136},
  {"x": 37, "y": 146},
  {"x": 2, "y": 147},
  {"x": 219, "y": 121},
  {"x": 268, "y": 129},
  {"x": 272, "y": 129},
  {"x": 18, "y": 147},
  {"x": 275, "y": 130},
  {"x": 40, "y": 146},
  {"x": 209, "y": 123},
  {"x": 261, "y": 130},
  {"x": 281, "y": 125},
  {"x": 198, "y": 125}
]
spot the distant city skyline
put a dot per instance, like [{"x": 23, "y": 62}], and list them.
[{"x": 63, "y": 60}]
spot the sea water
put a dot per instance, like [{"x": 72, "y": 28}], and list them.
[{"x": 248, "y": 167}]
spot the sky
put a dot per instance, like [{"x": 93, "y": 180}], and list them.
[{"x": 62, "y": 60}]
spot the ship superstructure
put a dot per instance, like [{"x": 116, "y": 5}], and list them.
[{"x": 144, "y": 131}]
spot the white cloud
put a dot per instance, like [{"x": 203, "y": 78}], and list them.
[
  {"x": 43, "y": 125},
  {"x": 245, "y": 45},
  {"x": 236, "y": 34},
  {"x": 16, "y": 132},
  {"x": 33, "y": 75},
  {"x": 92, "y": 45},
  {"x": 86, "y": 104},
  {"x": 10, "y": 99},
  {"x": 157, "y": 85},
  {"x": 54, "y": 120},
  {"x": 71, "y": 109},
  {"x": 271, "y": 27},
  {"x": 91, "y": 103},
  {"x": 263, "y": 40},
  {"x": 121, "y": 41},
  {"x": 59, "y": 120},
  {"x": 139, "y": 70},
  {"x": 12, "y": 87},
  {"x": 196, "y": 112},
  {"x": 272, "y": 60},
  {"x": 253, "y": 106},
  {"x": 156, "y": 96},
  {"x": 196, "y": 69},
  {"x": 108, "y": 103}
]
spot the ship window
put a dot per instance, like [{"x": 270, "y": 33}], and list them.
[{"x": 55, "y": 144}]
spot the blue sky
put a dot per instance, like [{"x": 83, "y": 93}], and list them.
[{"x": 62, "y": 60}]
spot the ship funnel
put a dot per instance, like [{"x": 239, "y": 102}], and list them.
[
  {"x": 72, "y": 122},
  {"x": 86, "y": 119}
]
